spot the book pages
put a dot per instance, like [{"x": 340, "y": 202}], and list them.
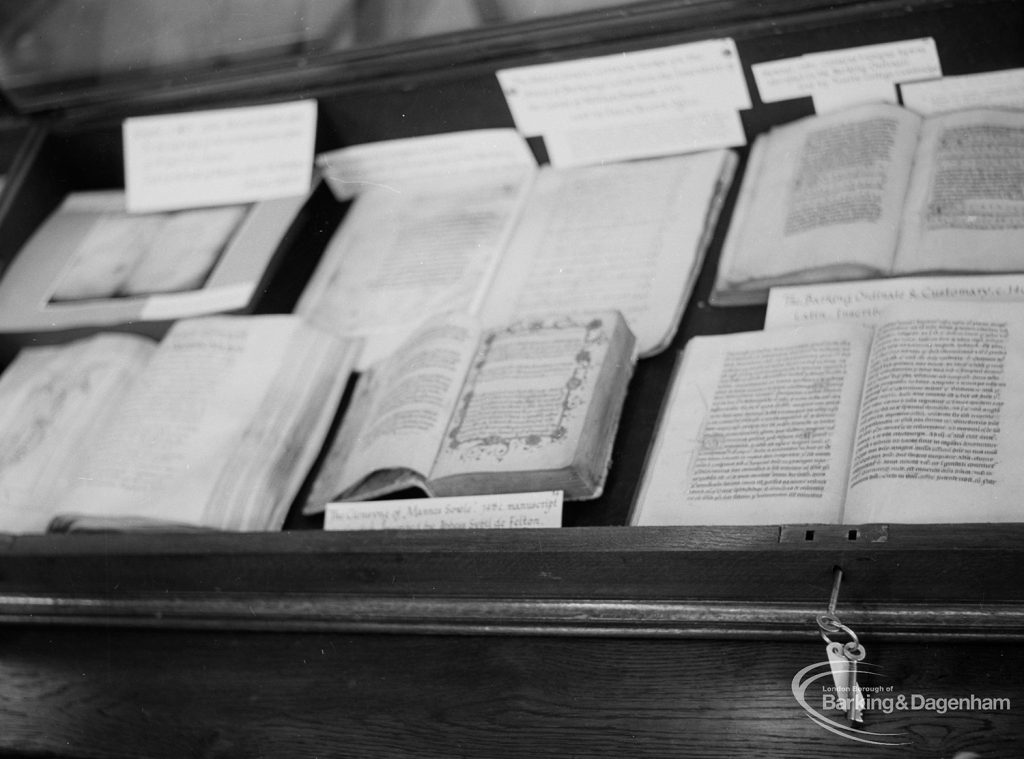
[
  {"x": 965, "y": 208},
  {"x": 524, "y": 402},
  {"x": 399, "y": 411},
  {"x": 939, "y": 438},
  {"x": 823, "y": 199},
  {"x": 173, "y": 437},
  {"x": 401, "y": 257},
  {"x": 757, "y": 429},
  {"x": 54, "y": 401},
  {"x": 629, "y": 236},
  {"x": 184, "y": 250}
]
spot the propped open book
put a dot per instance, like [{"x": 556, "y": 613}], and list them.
[
  {"x": 216, "y": 426},
  {"x": 914, "y": 420},
  {"x": 460, "y": 410},
  {"x": 520, "y": 241},
  {"x": 873, "y": 191}
]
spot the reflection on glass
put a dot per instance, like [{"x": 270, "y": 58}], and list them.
[{"x": 43, "y": 42}]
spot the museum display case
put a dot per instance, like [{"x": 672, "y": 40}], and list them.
[{"x": 746, "y": 597}]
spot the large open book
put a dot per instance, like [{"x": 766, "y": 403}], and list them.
[
  {"x": 874, "y": 191},
  {"x": 914, "y": 420},
  {"x": 460, "y": 410},
  {"x": 628, "y": 236},
  {"x": 216, "y": 426}
]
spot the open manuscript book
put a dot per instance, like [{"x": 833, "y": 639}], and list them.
[
  {"x": 91, "y": 263},
  {"x": 914, "y": 420},
  {"x": 215, "y": 427},
  {"x": 515, "y": 241},
  {"x": 873, "y": 191},
  {"x": 461, "y": 410}
]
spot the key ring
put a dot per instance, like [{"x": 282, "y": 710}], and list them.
[{"x": 829, "y": 623}]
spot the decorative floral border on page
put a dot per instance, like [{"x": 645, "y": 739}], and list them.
[{"x": 575, "y": 390}]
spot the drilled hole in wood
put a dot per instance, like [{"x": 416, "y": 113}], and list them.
[
  {"x": 851, "y": 535},
  {"x": 809, "y": 535}
]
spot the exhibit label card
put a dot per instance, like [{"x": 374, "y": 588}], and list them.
[
  {"x": 864, "y": 301},
  {"x": 394, "y": 164},
  {"x": 219, "y": 157},
  {"x": 991, "y": 89},
  {"x": 841, "y": 78},
  {"x": 631, "y": 105},
  {"x": 508, "y": 510}
]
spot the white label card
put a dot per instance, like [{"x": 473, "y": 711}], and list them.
[
  {"x": 995, "y": 89},
  {"x": 842, "y": 78},
  {"x": 609, "y": 101},
  {"x": 864, "y": 302},
  {"x": 685, "y": 133},
  {"x": 509, "y": 510},
  {"x": 393, "y": 164},
  {"x": 219, "y": 157}
]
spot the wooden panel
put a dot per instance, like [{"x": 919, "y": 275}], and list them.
[
  {"x": 116, "y": 693},
  {"x": 936, "y": 581}
]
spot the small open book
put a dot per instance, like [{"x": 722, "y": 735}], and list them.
[
  {"x": 460, "y": 410},
  {"x": 520, "y": 241},
  {"x": 914, "y": 420},
  {"x": 873, "y": 191},
  {"x": 91, "y": 264},
  {"x": 216, "y": 426}
]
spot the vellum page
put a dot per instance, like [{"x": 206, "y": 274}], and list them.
[
  {"x": 400, "y": 409},
  {"x": 524, "y": 403},
  {"x": 628, "y": 236},
  {"x": 259, "y": 482},
  {"x": 166, "y": 448},
  {"x": 401, "y": 256},
  {"x": 757, "y": 429},
  {"x": 965, "y": 207},
  {"x": 137, "y": 254},
  {"x": 53, "y": 401},
  {"x": 822, "y": 198},
  {"x": 106, "y": 256},
  {"x": 939, "y": 437},
  {"x": 184, "y": 250}
]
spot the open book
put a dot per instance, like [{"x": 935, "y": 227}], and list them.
[
  {"x": 91, "y": 264},
  {"x": 509, "y": 243},
  {"x": 872, "y": 191},
  {"x": 914, "y": 420},
  {"x": 464, "y": 411},
  {"x": 126, "y": 254},
  {"x": 216, "y": 426}
]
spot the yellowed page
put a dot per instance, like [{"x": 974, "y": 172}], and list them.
[
  {"x": 965, "y": 207},
  {"x": 627, "y": 236},
  {"x": 208, "y": 411},
  {"x": 184, "y": 250},
  {"x": 400, "y": 257},
  {"x": 824, "y": 200},
  {"x": 107, "y": 254},
  {"x": 526, "y": 398},
  {"x": 757, "y": 429},
  {"x": 939, "y": 436},
  {"x": 54, "y": 400},
  {"x": 399, "y": 411}
]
